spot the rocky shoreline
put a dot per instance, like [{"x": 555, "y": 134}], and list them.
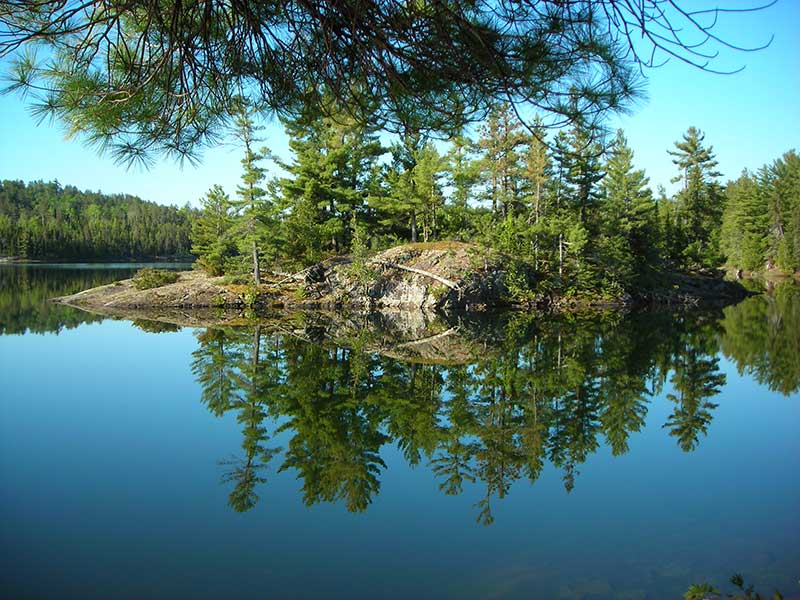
[{"x": 429, "y": 277}]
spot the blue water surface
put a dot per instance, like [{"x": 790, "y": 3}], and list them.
[{"x": 114, "y": 485}]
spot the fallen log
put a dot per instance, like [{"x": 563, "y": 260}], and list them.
[{"x": 451, "y": 284}]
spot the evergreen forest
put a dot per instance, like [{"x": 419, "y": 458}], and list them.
[{"x": 42, "y": 220}]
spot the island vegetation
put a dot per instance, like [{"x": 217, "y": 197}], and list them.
[
  {"x": 566, "y": 217},
  {"x": 568, "y": 213}
]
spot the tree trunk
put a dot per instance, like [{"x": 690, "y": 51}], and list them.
[
  {"x": 451, "y": 284},
  {"x": 256, "y": 271},
  {"x": 560, "y": 254},
  {"x": 536, "y": 221},
  {"x": 413, "y": 226}
]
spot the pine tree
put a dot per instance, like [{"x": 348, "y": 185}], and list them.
[
  {"x": 785, "y": 210},
  {"x": 628, "y": 217},
  {"x": 535, "y": 174},
  {"x": 211, "y": 240},
  {"x": 427, "y": 176},
  {"x": 576, "y": 173},
  {"x": 500, "y": 139},
  {"x": 700, "y": 199},
  {"x": 462, "y": 173},
  {"x": 250, "y": 203},
  {"x": 331, "y": 178},
  {"x": 414, "y": 181},
  {"x": 744, "y": 230}
]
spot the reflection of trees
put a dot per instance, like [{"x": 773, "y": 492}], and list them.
[
  {"x": 696, "y": 378},
  {"x": 549, "y": 392},
  {"x": 26, "y": 291},
  {"x": 762, "y": 336},
  {"x": 234, "y": 377}
]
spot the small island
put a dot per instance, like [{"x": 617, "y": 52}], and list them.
[{"x": 435, "y": 277}]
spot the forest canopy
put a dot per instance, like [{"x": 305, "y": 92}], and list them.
[
  {"x": 142, "y": 77},
  {"x": 46, "y": 220}
]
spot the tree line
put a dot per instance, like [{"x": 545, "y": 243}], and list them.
[
  {"x": 761, "y": 222},
  {"x": 41, "y": 220},
  {"x": 571, "y": 210}
]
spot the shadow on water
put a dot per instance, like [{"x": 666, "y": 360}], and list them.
[{"x": 483, "y": 401}]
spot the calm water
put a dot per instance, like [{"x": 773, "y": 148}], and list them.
[{"x": 508, "y": 457}]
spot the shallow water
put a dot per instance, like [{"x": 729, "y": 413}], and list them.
[{"x": 580, "y": 458}]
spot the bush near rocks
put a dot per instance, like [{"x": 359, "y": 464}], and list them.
[{"x": 151, "y": 278}]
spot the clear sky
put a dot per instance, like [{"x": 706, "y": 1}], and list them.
[{"x": 750, "y": 118}]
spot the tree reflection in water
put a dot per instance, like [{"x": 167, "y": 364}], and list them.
[{"x": 519, "y": 394}]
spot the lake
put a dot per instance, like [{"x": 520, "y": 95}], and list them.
[{"x": 348, "y": 456}]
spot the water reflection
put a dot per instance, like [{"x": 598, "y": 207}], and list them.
[
  {"x": 762, "y": 336},
  {"x": 525, "y": 393},
  {"x": 479, "y": 401},
  {"x": 26, "y": 291}
]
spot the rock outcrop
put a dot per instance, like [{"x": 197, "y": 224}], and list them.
[{"x": 421, "y": 276}]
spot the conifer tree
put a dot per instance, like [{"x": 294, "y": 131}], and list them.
[
  {"x": 744, "y": 229},
  {"x": 462, "y": 174},
  {"x": 331, "y": 178},
  {"x": 501, "y": 137},
  {"x": 536, "y": 175},
  {"x": 785, "y": 210},
  {"x": 415, "y": 195},
  {"x": 761, "y": 220},
  {"x": 577, "y": 171},
  {"x": 251, "y": 196},
  {"x": 211, "y": 239},
  {"x": 427, "y": 177},
  {"x": 700, "y": 200},
  {"x": 628, "y": 217}
]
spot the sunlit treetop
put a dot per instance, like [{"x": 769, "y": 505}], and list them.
[{"x": 145, "y": 77}]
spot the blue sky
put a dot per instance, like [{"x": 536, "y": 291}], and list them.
[{"x": 750, "y": 118}]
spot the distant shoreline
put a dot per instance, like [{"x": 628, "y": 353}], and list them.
[{"x": 19, "y": 260}]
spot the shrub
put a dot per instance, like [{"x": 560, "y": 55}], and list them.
[{"x": 151, "y": 278}]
